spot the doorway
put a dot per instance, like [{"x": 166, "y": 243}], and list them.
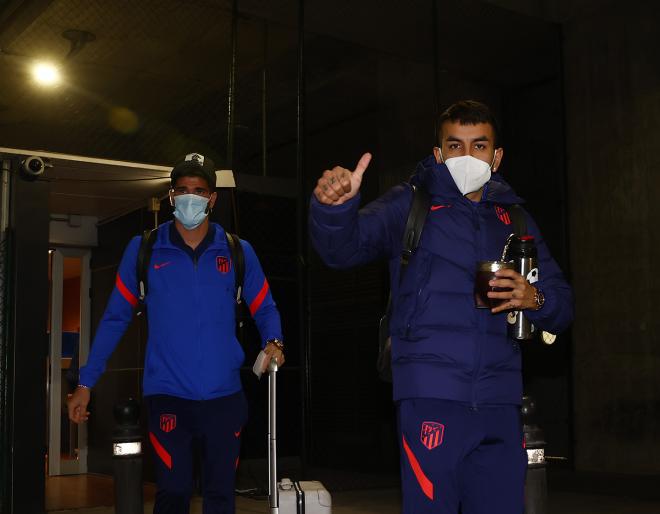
[{"x": 69, "y": 325}]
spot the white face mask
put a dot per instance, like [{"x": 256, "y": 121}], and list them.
[
  {"x": 469, "y": 173},
  {"x": 190, "y": 210}
]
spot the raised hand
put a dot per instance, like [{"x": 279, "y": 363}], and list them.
[{"x": 339, "y": 185}]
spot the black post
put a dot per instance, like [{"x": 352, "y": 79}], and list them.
[
  {"x": 536, "y": 488},
  {"x": 127, "y": 458},
  {"x": 304, "y": 282},
  {"x": 25, "y": 340}
]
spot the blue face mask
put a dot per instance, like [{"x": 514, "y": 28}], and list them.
[{"x": 190, "y": 210}]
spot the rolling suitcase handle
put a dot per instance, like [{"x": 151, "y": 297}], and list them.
[
  {"x": 288, "y": 496},
  {"x": 273, "y": 493}
]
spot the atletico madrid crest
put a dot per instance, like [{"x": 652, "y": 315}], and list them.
[
  {"x": 222, "y": 263},
  {"x": 432, "y": 434},
  {"x": 167, "y": 422}
]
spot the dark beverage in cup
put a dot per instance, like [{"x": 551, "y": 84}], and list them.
[{"x": 485, "y": 273}]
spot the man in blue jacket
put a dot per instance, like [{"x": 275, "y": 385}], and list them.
[
  {"x": 456, "y": 375},
  {"x": 191, "y": 383}
]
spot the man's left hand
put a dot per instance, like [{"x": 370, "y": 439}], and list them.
[
  {"x": 519, "y": 294},
  {"x": 274, "y": 353}
]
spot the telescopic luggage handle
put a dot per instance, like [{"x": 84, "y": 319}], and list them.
[{"x": 273, "y": 493}]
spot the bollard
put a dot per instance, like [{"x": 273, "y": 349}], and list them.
[
  {"x": 536, "y": 488},
  {"x": 127, "y": 458}
]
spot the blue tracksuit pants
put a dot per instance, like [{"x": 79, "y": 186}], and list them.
[
  {"x": 214, "y": 426},
  {"x": 454, "y": 455}
]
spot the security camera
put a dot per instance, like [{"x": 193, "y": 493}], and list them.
[{"x": 33, "y": 166}]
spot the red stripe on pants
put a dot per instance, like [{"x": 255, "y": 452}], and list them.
[
  {"x": 424, "y": 482},
  {"x": 160, "y": 451}
]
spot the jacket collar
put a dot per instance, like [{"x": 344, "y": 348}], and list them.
[
  {"x": 438, "y": 181},
  {"x": 163, "y": 240}
]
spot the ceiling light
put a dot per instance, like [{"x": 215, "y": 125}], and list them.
[{"x": 46, "y": 74}]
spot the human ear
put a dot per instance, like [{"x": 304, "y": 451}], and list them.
[{"x": 212, "y": 200}]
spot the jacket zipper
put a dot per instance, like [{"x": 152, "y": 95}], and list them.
[{"x": 480, "y": 318}]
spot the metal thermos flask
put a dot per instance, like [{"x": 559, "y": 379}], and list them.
[{"x": 523, "y": 252}]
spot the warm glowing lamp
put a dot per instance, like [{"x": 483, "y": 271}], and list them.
[{"x": 46, "y": 74}]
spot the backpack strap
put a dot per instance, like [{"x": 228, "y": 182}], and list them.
[
  {"x": 238, "y": 258},
  {"x": 419, "y": 208},
  {"x": 142, "y": 265}
]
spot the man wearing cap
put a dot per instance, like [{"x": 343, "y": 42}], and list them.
[{"x": 191, "y": 383}]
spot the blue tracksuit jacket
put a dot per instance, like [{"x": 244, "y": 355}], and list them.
[
  {"x": 442, "y": 346},
  {"x": 192, "y": 350}
]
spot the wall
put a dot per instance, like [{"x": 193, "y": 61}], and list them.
[{"x": 612, "y": 84}]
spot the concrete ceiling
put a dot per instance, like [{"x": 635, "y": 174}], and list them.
[{"x": 153, "y": 83}]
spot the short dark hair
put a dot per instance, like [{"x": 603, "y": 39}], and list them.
[{"x": 469, "y": 112}]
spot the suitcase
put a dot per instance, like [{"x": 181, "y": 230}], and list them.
[
  {"x": 306, "y": 497},
  {"x": 287, "y": 496}
]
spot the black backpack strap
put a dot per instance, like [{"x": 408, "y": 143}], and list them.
[
  {"x": 238, "y": 258},
  {"x": 142, "y": 265},
  {"x": 518, "y": 219},
  {"x": 419, "y": 208},
  {"x": 421, "y": 202}
]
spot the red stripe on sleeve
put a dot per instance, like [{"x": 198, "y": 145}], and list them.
[
  {"x": 424, "y": 482},
  {"x": 256, "y": 303},
  {"x": 128, "y": 296},
  {"x": 160, "y": 451}
]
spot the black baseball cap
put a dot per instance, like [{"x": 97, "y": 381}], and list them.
[{"x": 194, "y": 165}]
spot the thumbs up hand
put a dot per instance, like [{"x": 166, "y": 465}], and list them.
[{"x": 339, "y": 185}]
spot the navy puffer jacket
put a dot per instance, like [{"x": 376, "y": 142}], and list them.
[{"x": 442, "y": 346}]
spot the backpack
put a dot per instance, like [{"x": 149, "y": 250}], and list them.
[
  {"x": 419, "y": 208},
  {"x": 144, "y": 258}
]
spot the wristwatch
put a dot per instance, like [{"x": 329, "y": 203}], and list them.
[
  {"x": 276, "y": 342},
  {"x": 539, "y": 298}
]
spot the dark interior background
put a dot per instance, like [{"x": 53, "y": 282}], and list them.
[{"x": 278, "y": 91}]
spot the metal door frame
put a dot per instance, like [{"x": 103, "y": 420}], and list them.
[{"x": 54, "y": 384}]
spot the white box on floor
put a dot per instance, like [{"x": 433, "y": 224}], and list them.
[{"x": 304, "y": 497}]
